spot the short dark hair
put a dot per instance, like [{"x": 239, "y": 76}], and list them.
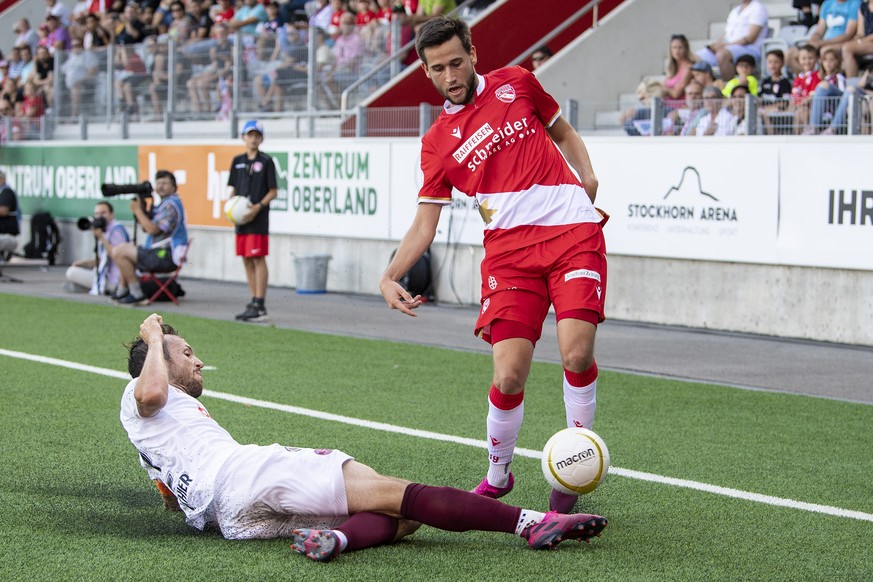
[
  {"x": 137, "y": 351},
  {"x": 543, "y": 49},
  {"x": 809, "y": 49},
  {"x": 778, "y": 53},
  {"x": 439, "y": 30},
  {"x": 166, "y": 174},
  {"x": 107, "y": 205}
]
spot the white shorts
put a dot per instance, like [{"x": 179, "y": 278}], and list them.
[{"x": 265, "y": 492}]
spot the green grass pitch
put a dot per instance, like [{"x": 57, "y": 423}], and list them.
[{"x": 74, "y": 504}]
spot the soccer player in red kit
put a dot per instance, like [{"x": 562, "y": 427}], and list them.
[{"x": 501, "y": 138}]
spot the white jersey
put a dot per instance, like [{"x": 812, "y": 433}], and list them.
[{"x": 182, "y": 447}]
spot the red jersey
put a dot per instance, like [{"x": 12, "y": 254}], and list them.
[
  {"x": 497, "y": 149},
  {"x": 804, "y": 85},
  {"x": 364, "y": 18}
]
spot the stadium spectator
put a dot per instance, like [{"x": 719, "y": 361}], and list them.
[
  {"x": 28, "y": 65},
  {"x": 863, "y": 88},
  {"x": 15, "y": 63},
  {"x": 246, "y": 18},
  {"x": 717, "y": 118},
  {"x": 808, "y": 11},
  {"x": 540, "y": 56},
  {"x": 678, "y": 73},
  {"x": 322, "y": 15},
  {"x": 26, "y": 34},
  {"x": 680, "y": 115},
  {"x": 58, "y": 35},
  {"x": 701, "y": 71},
  {"x": 59, "y": 10},
  {"x": 130, "y": 29},
  {"x": 365, "y": 13},
  {"x": 832, "y": 85},
  {"x": 44, "y": 73},
  {"x": 738, "y": 108},
  {"x": 543, "y": 236},
  {"x": 232, "y": 486},
  {"x": 427, "y": 9},
  {"x": 837, "y": 24},
  {"x": 159, "y": 83},
  {"x": 29, "y": 109},
  {"x": 744, "y": 34},
  {"x": 181, "y": 27},
  {"x": 99, "y": 275},
  {"x": 202, "y": 23},
  {"x": 775, "y": 95},
  {"x": 862, "y": 44},
  {"x": 95, "y": 34},
  {"x": 164, "y": 246},
  {"x": 4, "y": 71},
  {"x": 202, "y": 83},
  {"x": 338, "y": 8},
  {"x": 131, "y": 72},
  {"x": 636, "y": 120},
  {"x": 804, "y": 85},
  {"x": 292, "y": 57},
  {"x": 348, "y": 50},
  {"x": 79, "y": 71},
  {"x": 273, "y": 24},
  {"x": 745, "y": 66},
  {"x": 222, "y": 11}
]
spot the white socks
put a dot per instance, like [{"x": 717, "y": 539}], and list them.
[
  {"x": 527, "y": 519},
  {"x": 580, "y": 403}
]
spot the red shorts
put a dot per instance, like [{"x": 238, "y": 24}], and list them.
[
  {"x": 252, "y": 245},
  {"x": 568, "y": 271}
]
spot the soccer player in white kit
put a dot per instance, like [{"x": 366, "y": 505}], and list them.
[
  {"x": 321, "y": 498},
  {"x": 500, "y": 139}
]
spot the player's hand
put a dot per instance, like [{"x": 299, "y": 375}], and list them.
[
  {"x": 250, "y": 214},
  {"x": 150, "y": 329},
  {"x": 399, "y": 298}
]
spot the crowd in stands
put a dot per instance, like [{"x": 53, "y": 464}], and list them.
[
  {"x": 805, "y": 91},
  {"x": 352, "y": 36}
]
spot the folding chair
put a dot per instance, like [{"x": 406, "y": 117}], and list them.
[{"x": 164, "y": 283}]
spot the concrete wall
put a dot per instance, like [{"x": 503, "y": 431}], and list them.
[
  {"x": 797, "y": 302},
  {"x": 631, "y": 42}
]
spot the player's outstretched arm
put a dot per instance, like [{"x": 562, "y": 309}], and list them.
[
  {"x": 573, "y": 148},
  {"x": 414, "y": 243},
  {"x": 151, "y": 387}
]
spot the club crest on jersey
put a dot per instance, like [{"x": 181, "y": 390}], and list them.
[
  {"x": 257, "y": 167},
  {"x": 505, "y": 93}
]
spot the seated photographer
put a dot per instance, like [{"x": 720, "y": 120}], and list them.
[
  {"x": 165, "y": 244},
  {"x": 8, "y": 219},
  {"x": 99, "y": 275}
]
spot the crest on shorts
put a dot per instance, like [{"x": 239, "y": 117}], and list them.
[
  {"x": 505, "y": 93},
  {"x": 486, "y": 304}
]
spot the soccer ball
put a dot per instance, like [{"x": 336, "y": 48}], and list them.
[
  {"x": 236, "y": 207},
  {"x": 575, "y": 461}
]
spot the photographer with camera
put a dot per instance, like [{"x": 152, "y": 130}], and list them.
[
  {"x": 165, "y": 244},
  {"x": 99, "y": 275}
]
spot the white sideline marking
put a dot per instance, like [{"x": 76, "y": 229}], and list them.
[{"x": 629, "y": 473}]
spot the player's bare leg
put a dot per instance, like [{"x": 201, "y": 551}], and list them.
[
  {"x": 379, "y": 504},
  {"x": 576, "y": 343},
  {"x": 512, "y": 360}
]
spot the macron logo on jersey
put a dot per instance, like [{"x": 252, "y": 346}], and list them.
[
  {"x": 456, "y": 132},
  {"x": 478, "y": 137}
]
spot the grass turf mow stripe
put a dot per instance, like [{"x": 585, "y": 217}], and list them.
[{"x": 629, "y": 473}]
